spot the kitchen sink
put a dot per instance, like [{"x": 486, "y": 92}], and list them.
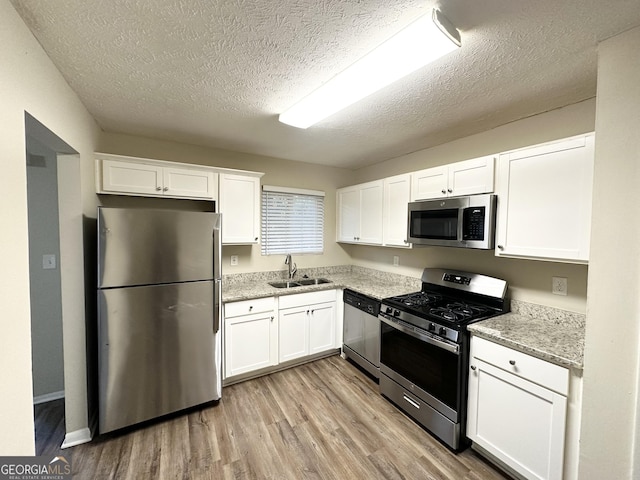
[
  {"x": 300, "y": 283},
  {"x": 313, "y": 281},
  {"x": 285, "y": 284}
]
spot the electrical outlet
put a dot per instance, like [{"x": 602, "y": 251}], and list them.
[
  {"x": 234, "y": 260},
  {"x": 396, "y": 260},
  {"x": 559, "y": 285}
]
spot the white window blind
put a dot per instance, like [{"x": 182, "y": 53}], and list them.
[{"x": 292, "y": 221}]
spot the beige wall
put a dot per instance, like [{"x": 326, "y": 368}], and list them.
[
  {"x": 29, "y": 82},
  {"x": 529, "y": 280},
  {"x": 277, "y": 172},
  {"x": 609, "y": 440}
]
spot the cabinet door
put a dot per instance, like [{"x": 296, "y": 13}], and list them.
[
  {"x": 429, "y": 183},
  {"x": 348, "y": 206},
  {"x": 182, "y": 182},
  {"x": 397, "y": 194},
  {"x": 322, "y": 325},
  {"x": 137, "y": 178},
  {"x": 544, "y": 207},
  {"x": 471, "y": 176},
  {"x": 371, "y": 202},
  {"x": 293, "y": 338},
  {"x": 519, "y": 422},
  {"x": 250, "y": 343},
  {"x": 240, "y": 208}
]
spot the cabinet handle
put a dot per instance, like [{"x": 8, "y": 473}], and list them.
[
  {"x": 307, "y": 312},
  {"x": 500, "y": 247},
  {"x": 449, "y": 190},
  {"x": 312, "y": 312},
  {"x": 250, "y": 307},
  {"x": 473, "y": 367},
  {"x": 512, "y": 362},
  {"x": 158, "y": 188},
  {"x": 444, "y": 191},
  {"x": 256, "y": 239},
  {"x": 272, "y": 318},
  {"x": 165, "y": 189}
]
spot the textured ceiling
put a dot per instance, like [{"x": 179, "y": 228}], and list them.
[{"x": 217, "y": 73}]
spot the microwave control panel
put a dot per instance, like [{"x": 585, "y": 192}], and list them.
[{"x": 473, "y": 223}]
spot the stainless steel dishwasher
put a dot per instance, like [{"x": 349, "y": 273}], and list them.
[{"x": 361, "y": 335}]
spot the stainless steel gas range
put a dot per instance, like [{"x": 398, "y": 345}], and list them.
[{"x": 424, "y": 347}]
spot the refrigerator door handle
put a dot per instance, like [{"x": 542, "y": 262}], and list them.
[
  {"x": 217, "y": 308},
  {"x": 217, "y": 273}
]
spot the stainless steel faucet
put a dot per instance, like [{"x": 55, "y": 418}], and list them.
[{"x": 292, "y": 266}]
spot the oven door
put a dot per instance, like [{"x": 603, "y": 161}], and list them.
[{"x": 415, "y": 359}]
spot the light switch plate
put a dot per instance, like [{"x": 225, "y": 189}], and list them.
[
  {"x": 48, "y": 262},
  {"x": 234, "y": 260},
  {"x": 396, "y": 260}
]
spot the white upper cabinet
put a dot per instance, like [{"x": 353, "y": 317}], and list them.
[
  {"x": 359, "y": 214},
  {"x": 152, "y": 178},
  {"x": 237, "y": 191},
  {"x": 240, "y": 208},
  {"x": 544, "y": 201},
  {"x": 461, "y": 178},
  {"x": 397, "y": 194},
  {"x": 183, "y": 182}
]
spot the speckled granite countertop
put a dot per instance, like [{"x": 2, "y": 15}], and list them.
[
  {"x": 543, "y": 332},
  {"x": 373, "y": 283}
]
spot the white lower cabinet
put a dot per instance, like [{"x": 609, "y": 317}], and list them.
[
  {"x": 250, "y": 336},
  {"x": 307, "y": 324},
  {"x": 517, "y": 409},
  {"x": 260, "y": 334}
]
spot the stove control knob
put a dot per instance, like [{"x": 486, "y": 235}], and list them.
[
  {"x": 442, "y": 331},
  {"x": 432, "y": 327},
  {"x": 396, "y": 313},
  {"x": 388, "y": 310}
]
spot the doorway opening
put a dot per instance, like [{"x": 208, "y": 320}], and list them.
[{"x": 49, "y": 161}]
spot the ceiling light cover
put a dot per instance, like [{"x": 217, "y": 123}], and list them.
[{"x": 423, "y": 41}]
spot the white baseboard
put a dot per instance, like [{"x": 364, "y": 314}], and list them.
[
  {"x": 71, "y": 439},
  {"x": 48, "y": 397}
]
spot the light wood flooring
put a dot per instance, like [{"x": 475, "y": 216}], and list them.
[{"x": 322, "y": 420}]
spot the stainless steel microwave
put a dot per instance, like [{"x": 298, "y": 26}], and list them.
[{"x": 467, "y": 222}]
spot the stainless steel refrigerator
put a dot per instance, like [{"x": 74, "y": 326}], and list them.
[{"x": 159, "y": 305}]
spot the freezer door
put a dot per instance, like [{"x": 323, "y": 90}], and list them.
[
  {"x": 158, "y": 352},
  {"x": 147, "y": 246}
]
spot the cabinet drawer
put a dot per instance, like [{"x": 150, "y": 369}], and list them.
[
  {"x": 247, "y": 307},
  {"x": 303, "y": 299},
  {"x": 535, "y": 370}
]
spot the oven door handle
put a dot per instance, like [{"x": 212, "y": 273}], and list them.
[{"x": 433, "y": 341}]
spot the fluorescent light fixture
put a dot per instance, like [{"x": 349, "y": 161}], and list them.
[{"x": 423, "y": 41}]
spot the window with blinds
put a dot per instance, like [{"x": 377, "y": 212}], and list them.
[{"x": 292, "y": 221}]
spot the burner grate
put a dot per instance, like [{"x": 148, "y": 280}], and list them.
[{"x": 419, "y": 299}]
